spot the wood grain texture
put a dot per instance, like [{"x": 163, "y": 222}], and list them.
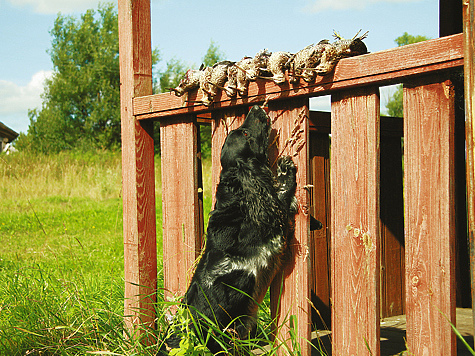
[
  {"x": 430, "y": 215},
  {"x": 181, "y": 208},
  {"x": 355, "y": 222},
  {"x": 290, "y": 121},
  {"x": 140, "y": 255},
  {"x": 382, "y": 68}
]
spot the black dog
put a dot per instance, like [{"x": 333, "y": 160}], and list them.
[{"x": 248, "y": 231}]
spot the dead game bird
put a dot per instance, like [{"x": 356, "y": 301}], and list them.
[
  {"x": 303, "y": 63},
  {"x": 277, "y": 65},
  {"x": 212, "y": 80},
  {"x": 190, "y": 81},
  {"x": 339, "y": 49}
]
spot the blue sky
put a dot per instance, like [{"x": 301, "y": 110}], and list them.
[{"x": 183, "y": 29}]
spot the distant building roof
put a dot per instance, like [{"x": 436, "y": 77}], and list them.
[{"x": 6, "y": 132}]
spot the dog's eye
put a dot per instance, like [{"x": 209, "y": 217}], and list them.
[{"x": 244, "y": 132}]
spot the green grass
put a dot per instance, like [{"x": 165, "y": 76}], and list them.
[{"x": 61, "y": 259}]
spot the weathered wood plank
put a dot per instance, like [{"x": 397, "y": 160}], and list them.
[
  {"x": 138, "y": 187},
  {"x": 181, "y": 208},
  {"x": 385, "y": 67},
  {"x": 430, "y": 215},
  {"x": 355, "y": 222},
  {"x": 290, "y": 120}
]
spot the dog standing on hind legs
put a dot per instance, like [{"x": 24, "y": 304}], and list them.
[{"x": 248, "y": 232}]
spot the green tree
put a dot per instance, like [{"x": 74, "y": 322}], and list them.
[
  {"x": 406, "y": 39},
  {"x": 395, "y": 104},
  {"x": 171, "y": 76},
  {"x": 213, "y": 55},
  {"x": 81, "y": 101}
]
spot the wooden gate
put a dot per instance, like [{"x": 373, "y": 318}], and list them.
[{"x": 362, "y": 207}]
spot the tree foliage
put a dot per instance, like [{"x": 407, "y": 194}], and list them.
[
  {"x": 213, "y": 55},
  {"x": 395, "y": 105},
  {"x": 81, "y": 100}
]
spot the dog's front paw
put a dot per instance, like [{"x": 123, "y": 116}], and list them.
[
  {"x": 287, "y": 183},
  {"x": 286, "y": 169}
]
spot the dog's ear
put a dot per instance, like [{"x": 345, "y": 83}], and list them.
[{"x": 235, "y": 149}]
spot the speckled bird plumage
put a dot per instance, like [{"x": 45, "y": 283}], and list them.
[
  {"x": 212, "y": 80},
  {"x": 234, "y": 77},
  {"x": 339, "y": 49}
]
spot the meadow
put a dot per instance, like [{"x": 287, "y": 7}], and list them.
[
  {"x": 61, "y": 258},
  {"x": 61, "y": 255}
]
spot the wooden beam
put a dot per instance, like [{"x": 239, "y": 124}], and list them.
[
  {"x": 355, "y": 222},
  {"x": 382, "y": 68},
  {"x": 429, "y": 215},
  {"x": 469, "y": 94},
  {"x": 138, "y": 181},
  {"x": 290, "y": 291}
]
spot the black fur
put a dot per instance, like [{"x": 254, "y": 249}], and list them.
[{"x": 248, "y": 230}]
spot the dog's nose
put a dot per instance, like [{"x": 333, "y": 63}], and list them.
[{"x": 315, "y": 224}]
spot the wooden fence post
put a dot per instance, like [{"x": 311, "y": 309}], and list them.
[
  {"x": 429, "y": 215},
  {"x": 138, "y": 184},
  {"x": 181, "y": 207},
  {"x": 290, "y": 120},
  {"x": 355, "y": 222}
]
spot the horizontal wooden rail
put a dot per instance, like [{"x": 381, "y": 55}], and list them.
[{"x": 382, "y": 68}]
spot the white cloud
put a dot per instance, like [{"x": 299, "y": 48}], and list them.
[
  {"x": 322, "y": 5},
  {"x": 15, "y": 100},
  {"x": 55, "y": 6}
]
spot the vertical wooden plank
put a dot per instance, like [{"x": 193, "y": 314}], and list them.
[
  {"x": 430, "y": 217},
  {"x": 355, "y": 222},
  {"x": 290, "y": 121},
  {"x": 393, "y": 292},
  {"x": 224, "y": 121},
  {"x": 320, "y": 239},
  {"x": 181, "y": 208},
  {"x": 140, "y": 255},
  {"x": 469, "y": 93}
]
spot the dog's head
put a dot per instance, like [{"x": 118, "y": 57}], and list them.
[{"x": 249, "y": 141}]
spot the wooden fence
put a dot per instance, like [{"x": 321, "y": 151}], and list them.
[{"x": 379, "y": 253}]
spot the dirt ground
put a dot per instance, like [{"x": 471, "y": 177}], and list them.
[{"x": 393, "y": 332}]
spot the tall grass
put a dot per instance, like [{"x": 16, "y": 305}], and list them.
[{"x": 61, "y": 259}]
